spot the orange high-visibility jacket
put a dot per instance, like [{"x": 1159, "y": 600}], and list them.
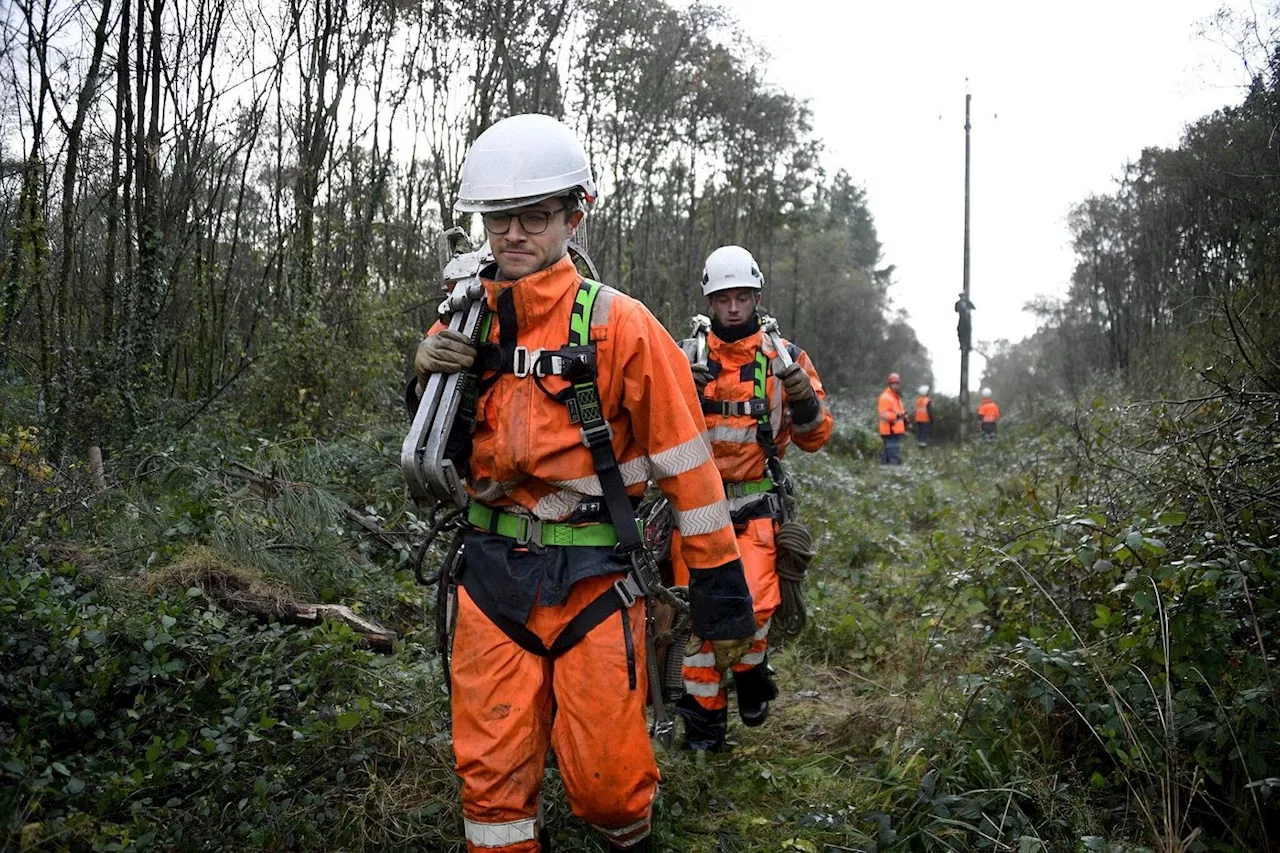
[
  {"x": 893, "y": 417},
  {"x": 924, "y": 409},
  {"x": 988, "y": 411},
  {"x": 738, "y": 455},
  {"x": 527, "y": 456}
]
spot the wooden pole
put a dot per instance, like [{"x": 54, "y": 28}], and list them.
[{"x": 964, "y": 345}]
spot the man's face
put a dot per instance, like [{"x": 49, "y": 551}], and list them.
[
  {"x": 533, "y": 237},
  {"x": 734, "y": 306}
]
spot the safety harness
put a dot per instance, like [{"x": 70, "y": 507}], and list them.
[
  {"x": 793, "y": 539},
  {"x": 576, "y": 363},
  {"x": 757, "y": 407}
]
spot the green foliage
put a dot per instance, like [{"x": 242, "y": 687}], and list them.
[
  {"x": 1130, "y": 635},
  {"x": 139, "y": 722},
  {"x": 314, "y": 380},
  {"x": 1057, "y": 643}
]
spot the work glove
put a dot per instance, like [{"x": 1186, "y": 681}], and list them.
[
  {"x": 445, "y": 352},
  {"x": 701, "y": 376},
  {"x": 727, "y": 652},
  {"x": 797, "y": 384}
]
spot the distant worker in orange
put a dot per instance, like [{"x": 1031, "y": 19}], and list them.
[
  {"x": 924, "y": 417},
  {"x": 583, "y": 399},
  {"x": 893, "y": 420},
  {"x": 988, "y": 416},
  {"x": 756, "y": 400}
]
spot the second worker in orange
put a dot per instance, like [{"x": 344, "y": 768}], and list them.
[{"x": 754, "y": 409}]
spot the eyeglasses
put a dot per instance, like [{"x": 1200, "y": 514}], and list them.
[{"x": 531, "y": 221}]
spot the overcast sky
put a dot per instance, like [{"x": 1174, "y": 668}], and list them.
[{"x": 1063, "y": 95}]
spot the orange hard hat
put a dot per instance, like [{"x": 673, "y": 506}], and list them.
[{"x": 893, "y": 377}]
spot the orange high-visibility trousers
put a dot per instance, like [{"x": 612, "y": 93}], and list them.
[
  {"x": 760, "y": 563},
  {"x": 510, "y": 704}
]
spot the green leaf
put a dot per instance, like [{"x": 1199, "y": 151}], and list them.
[
  {"x": 1145, "y": 601},
  {"x": 349, "y": 720},
  {"x": 168, "y": 621},
  {"x": 59, "y": 767},
  {"x": 75, "y": 785},
  {"x": 1171, "y": 519}
]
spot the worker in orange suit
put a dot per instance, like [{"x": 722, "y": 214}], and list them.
[
  {"x": 924, "y": 417},
  {"x": 988, "y": 416},
  {"x": 549, "y": 648},
  {"x": 757, "y": 401},
  {"x": 893, "y": 420}
]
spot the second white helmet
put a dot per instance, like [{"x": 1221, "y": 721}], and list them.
[
  {"x": 986, "y": 392},
  {"x": 729, "y": 267},
  {"x": 924, "y": 389},
  {"x": 520, "y": 161}
]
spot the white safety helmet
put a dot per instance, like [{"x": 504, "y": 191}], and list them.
[
  {"x": 729, "y": 267},
  {"x": 924, "y": 389},
  {"x": 986, "y": 392},
  {"x": 523, "y": 160}
]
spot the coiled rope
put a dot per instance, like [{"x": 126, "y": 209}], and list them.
[{"x": 795, "y": 552}]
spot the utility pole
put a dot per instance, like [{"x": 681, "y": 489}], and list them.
[{"x": 964, "y": 306}]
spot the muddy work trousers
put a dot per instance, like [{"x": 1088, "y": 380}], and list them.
[
  {"x": 704, "y": 705},
  {"x": 588, "y": 704}
]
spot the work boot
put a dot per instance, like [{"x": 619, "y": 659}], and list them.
[
  {"x": 644, "y": 845},
  {"x": 544, "y": 840},
  {"x": 703, "y": 729},
  {"x": 755, "y": 691}
]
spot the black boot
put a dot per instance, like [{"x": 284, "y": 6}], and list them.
[
  {"x": 755, "y": 691},
  {"x": 703, "y": 729},
  {"x": 544, "y": 840},
  {"x": 644, "y": 845}
]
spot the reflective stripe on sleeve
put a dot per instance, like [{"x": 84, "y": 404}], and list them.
[
  {"x": 703, "y": 519},
  {"x": 679, "y": 459}
]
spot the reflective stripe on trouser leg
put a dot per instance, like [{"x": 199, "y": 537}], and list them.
[
  {"x": 500, "y": 836},
  {"x": 760, "y": 563},
  {"x": 600, "y": 734},
  {"x": 625, "y": 836},
  {"x": 501, "y": 706},
  {"x": 759, "y": 644},
  {"x": 702, "y": 681}
]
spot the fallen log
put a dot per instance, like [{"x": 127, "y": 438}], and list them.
[
  {"x": 239, "y": 591},
  {"x": 375, "y": 636}
]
